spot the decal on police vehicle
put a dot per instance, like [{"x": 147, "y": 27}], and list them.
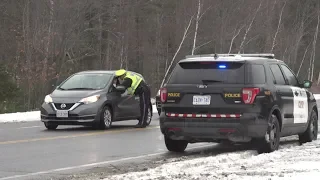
[
  {"x": 300, "y": 105},
  {"x": 173, "y": 94}
]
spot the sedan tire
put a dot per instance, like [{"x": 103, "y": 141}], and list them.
[
  {"x": 106, "y": 118},
  {"x": 50, "y": 126}
]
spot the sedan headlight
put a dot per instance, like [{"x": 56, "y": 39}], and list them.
[
  {"x": 48, "y": 99},
  {"x": 90, "y": 99}
]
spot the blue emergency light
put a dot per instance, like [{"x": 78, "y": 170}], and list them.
[{"x": 222, "y": 66}]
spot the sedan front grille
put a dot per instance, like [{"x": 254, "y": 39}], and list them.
[{"x": 66, "y": 107}]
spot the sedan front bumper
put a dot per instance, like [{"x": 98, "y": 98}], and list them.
[{"x": 77, "y": 113}]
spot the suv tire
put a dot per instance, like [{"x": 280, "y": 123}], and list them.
[
  {"x": 312, "y": 131},
  {"x": 271, "y": 141},
  {"x": 175, "y": 145}
]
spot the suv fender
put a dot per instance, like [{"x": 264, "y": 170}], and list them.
[
  {"x": 276, "y": 111},
  {"x": 311, "y": 108}
]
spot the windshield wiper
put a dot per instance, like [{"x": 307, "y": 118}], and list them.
[
  {"x": 210, "y": 81},
  {"x": 80, "y": 89}
]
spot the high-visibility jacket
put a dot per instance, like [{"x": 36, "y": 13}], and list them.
[{"x": 135, "y": 82}]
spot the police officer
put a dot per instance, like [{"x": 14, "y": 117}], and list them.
[{"x": 136, "y": 86}]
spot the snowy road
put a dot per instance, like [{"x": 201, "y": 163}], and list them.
[{"x": 290, "y": 162}]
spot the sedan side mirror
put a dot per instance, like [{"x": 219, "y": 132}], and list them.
[{"x": 306, "y": 84}]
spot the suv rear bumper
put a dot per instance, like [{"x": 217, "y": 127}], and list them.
[{"x": 241, "y": 129}]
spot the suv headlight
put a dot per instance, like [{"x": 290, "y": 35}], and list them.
[
  {"x": 48, "y": 99},
  {"x": 90, "y": 99}
]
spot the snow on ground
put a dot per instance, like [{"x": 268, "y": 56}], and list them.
[
  {"x": 289, "y": 162},
  {"x": 31, "y": 116},
  {"x": 20, "y": 117}
]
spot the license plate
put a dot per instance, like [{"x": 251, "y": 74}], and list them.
[
  {"x": 201, "y": 100},
  {"x": 62, "y": 114}
]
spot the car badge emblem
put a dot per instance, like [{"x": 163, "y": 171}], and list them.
[
  {"x": 202, "y": 86},
  {"x": 63, "y": 106}
]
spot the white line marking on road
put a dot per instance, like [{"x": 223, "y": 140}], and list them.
[
  {"x": 93, "y": 164},
  {"x": 29, "y": 127}
]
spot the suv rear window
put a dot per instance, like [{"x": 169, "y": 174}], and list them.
[
  {"x": 255, "y": 74},
  {"x": 210, "y": 72}
]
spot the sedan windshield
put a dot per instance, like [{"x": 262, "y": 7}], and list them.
[{"x": 87, "y": 81}]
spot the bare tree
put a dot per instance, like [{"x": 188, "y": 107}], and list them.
[
  {"x": 313, "y": 56},
  {"x": 235, "y": 34},
  {"x": 174, "y": 57},
  {"x": 197, "y": 25},
  {"x": 278, "y": 28},
  {"x": 249, "y": 27}
]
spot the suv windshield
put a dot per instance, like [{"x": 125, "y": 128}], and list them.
[
  {"x": 208, "y": 73},
  {"x": 87, "y": 81}
]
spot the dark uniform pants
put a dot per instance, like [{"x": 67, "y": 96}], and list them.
[{"x": 144, "y": 95}]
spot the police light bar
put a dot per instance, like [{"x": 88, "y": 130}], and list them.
[{"x": 265, "y": 55}]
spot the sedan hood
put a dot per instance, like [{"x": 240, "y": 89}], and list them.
[{"x": 73, "y": 93}]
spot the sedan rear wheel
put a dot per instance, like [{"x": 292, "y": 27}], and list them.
[{"x": 149, "y": 118}]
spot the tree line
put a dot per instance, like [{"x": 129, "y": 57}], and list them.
[{"x": 46, "y": 41}]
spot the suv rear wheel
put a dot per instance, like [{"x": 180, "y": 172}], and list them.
[
  {"x": 175, "y": 145},
  {"x": 271, "y": 140},
  {"x": 312, "y": 131}
]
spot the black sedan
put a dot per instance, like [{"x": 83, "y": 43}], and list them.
[{"x": 89, "y": 98}]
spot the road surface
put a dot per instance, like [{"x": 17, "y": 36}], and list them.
[{"x": 29, "y": 151}]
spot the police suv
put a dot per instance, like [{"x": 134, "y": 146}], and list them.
[{"x": 236, "y": 98}]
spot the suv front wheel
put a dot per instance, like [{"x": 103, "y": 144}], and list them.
[
  {"x": 175, "y": 145},
  {"x": 312, "y": 131}
]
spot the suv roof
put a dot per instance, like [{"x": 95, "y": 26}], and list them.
[{"x": 231, "y": 57}]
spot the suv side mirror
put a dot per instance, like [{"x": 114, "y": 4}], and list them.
[{"x": 306, "y": 84}]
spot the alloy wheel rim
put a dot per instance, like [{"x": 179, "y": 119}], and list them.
[
  {"x": 107, "y": 118},
  {"x": 273, "y": 135},
  {"x": 314, "y": 127},
  {"x": 149, "y": 116}
]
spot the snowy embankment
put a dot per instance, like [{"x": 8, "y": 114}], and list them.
[
  {"x": 289, "y": 162},
  {"x": 31, "y": 116}
]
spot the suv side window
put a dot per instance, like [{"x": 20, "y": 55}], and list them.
[
  {"x": 277, "y": 74},
  {"x": 290, "y": 76}
]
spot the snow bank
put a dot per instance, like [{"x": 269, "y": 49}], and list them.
[
  {"x": 20, "y": 117},
  {"x": 292, "y": 162},
  {"x": 31, "y": 116}
]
